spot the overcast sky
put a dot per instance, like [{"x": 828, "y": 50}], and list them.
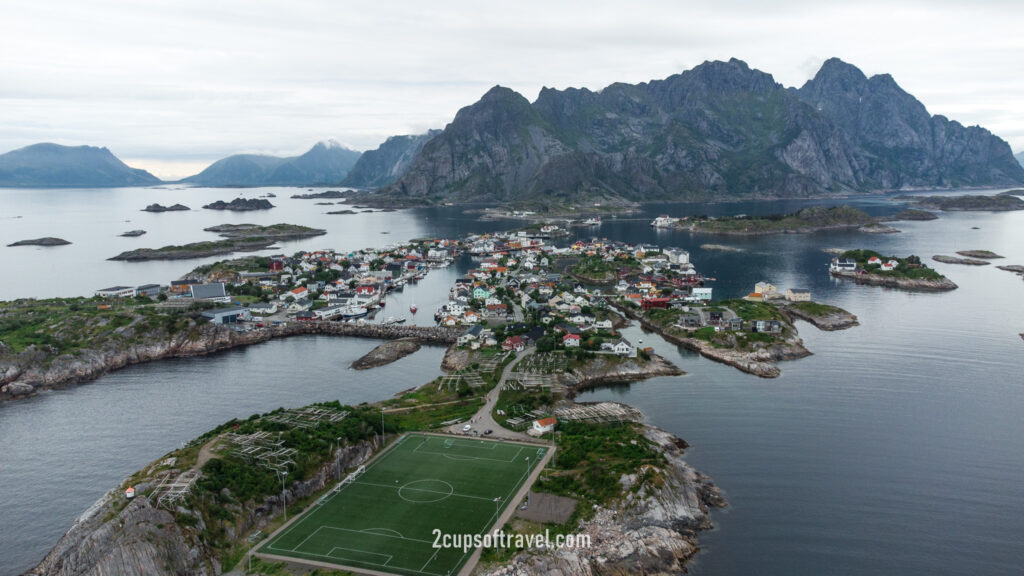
[{"x": 171, "y": 86}]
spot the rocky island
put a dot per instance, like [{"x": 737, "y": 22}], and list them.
[
  {"x": 955, "y": 260},
  {"x": 239, "y": 238},
  {"x": 241, "y": 205},
  {"x": 893, "y": 272},
  {"x": 386, "y": 353},
  {"x": 967, "y": 203},
  {"x": 46, "y": 241},
  {"x": 159, "y": 208},
  {"x": 913, "y": 214},
  {"x": 320, "y": 195},
  {"x": 813, "y": 219},
  {"x": 132, "y": 233},
  {"x": 979, "y": 254}
]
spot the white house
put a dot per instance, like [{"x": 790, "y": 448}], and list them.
[
  {"x": 263, "y": 308},
  {"x": 116, "y": 292},
  {"x": 329, "y": 312},
  {"x": 700, "y": 294},
  {"x": 622, "y": 347},
  {"x": 544, "y": 425}
]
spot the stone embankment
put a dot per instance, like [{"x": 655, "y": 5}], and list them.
[
  {"x": 22, "y": 374},
  {"x": 650, "y": 531}
]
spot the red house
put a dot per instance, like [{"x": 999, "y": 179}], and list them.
[
  {"x": 513, "y": 343},
  {"x": 651, "y": 303}
]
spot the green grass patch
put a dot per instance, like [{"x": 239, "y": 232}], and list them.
[{"x": 385, "y": 519}]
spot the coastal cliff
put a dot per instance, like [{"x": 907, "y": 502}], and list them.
[
  {"x": 651, "y": 530},
  {"x": 40, "y": 367}
]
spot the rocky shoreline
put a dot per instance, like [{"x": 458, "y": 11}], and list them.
[
  {"x": 649, "y": 531},
  {"x": 600, "y": 371},
  {"x": 835, "y": 320},
  {"x": 760, "y": 362},
  {"x": 913, "y": 284},
  {"x": 35, "y": 369},
  {"x": 141, "y": 538}
]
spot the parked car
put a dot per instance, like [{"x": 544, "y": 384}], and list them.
[
  {"x": 467, "y": 428},
  {"x": 488, "y": 431}
]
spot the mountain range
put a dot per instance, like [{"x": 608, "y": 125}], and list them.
[
  {"x": 721, "y": 130},
  {"x": 53, "y": 165},
  {"x": 389, "y": 162},
  {"x": 325, "y": 163},
  {"x": 718, "y": 131},
  {"x": 1020, "y": 158}
]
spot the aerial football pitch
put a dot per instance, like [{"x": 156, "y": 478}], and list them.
[{"x": 386, "y": 517}]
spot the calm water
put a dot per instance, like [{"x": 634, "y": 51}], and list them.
[{"x": 895, "y": 449}]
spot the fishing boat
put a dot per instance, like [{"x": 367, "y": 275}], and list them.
[
  {"x": 392, "y": 321},
  {"x": 595, "y": 221},
  {"x": 412, "y": 308},
  {"x": 354, "y": 312}
]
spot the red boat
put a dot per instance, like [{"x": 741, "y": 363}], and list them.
[{"x": 412, "y": 308}]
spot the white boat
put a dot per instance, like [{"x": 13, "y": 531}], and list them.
[
  {"x": 354, "y": 312},
  {"x": 595, "y": 221},
  {"x": 663, "y": 221},
  {"x": 392, "y": 320}
]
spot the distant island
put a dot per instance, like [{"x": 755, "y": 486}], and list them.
[
  {"x": 813, "y": 219},
  {"x": 912, "y": 214},
  {"x": 159, "y": 208},
  {"x": 55, "y": 166},
  {"x": 319, "y": 195},
  {"x": 132, "y": 233},
  {"x": 47, "y": 241},
  {"x": 967, "y": 203},
  {"x": 956, "y": 260},
  {"x": 241, "y": 205},
  {"x": 239, "y": 238},
  {"x": 979, "y": 254}
]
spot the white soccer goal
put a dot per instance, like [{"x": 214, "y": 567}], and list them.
[
  {"x": 351, "y": 477},
  {"x": 448, "y": 443}
]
